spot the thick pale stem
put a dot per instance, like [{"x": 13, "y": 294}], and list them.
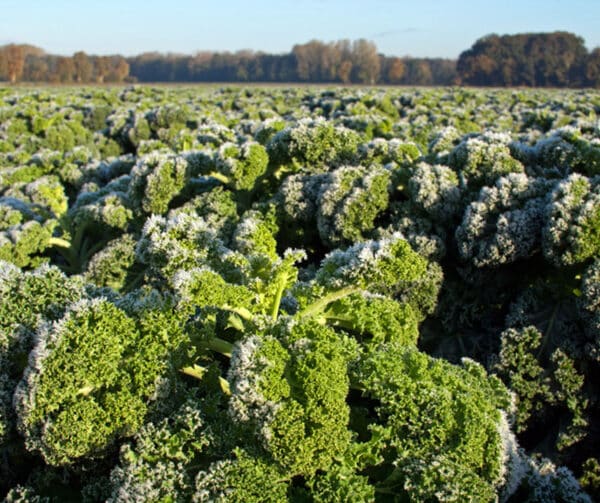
[
  {"x": 215, "y": 344},
  {"x": 198, "y": 372},
  {"x": 320, "y": 305},
  {"x": 65, "y": 248},
  {"x": 240, "y": 311},
  {"x": 220, "y": 346},
  {"x": 278, "y": 295},
  {"x": 219, "y": 176},
  {"x": 61, "y": 243},
  {"x": 340, "y": 322}
]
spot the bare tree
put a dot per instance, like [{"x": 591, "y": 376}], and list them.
[{"x": 366, "y": 61}]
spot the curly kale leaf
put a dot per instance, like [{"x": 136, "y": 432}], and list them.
[
  {"x": 571, "y": 234},
  {"x": 92, "y": 375}
]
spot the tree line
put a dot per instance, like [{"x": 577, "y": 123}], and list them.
[
  {"x": 26, "y": 63},
  {"x": 558, "y": 59},
  {"x": 342, "y": 61}
]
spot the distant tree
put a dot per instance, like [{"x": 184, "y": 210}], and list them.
[
  {"x": 394, "y": 70},
  {"x": 418, "y": 72},
  {"x": 13, "y": 57},
  {"x": 83, "y": 66},
  {"x": 65, "y": 69},
  {"x": 443, "y": 71},
  {"x": 101, "y": 68},
  {"x": 118, "y": 69},
  {"x": 478, "y": 65},
  {"x": 344, "y": 71},
  {"x": 3, "y": 65},
  {"x": 255, "y": 65},
  {"x": 528, "y": 59},
  {"x": 316, "y": 61},
  {"x": 591, "y": 70},
  {"x": 306, "y": 59},
  {"x": 36, "y": 69},
  {"x": 366, "y": 61}
]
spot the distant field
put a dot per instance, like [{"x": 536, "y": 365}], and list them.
[{"x": 299, "y": 293}]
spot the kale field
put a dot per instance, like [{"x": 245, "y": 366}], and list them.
[{"x": 299, "y": 294}]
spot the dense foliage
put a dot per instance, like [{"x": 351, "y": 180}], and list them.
[
  {"x": 553, "y": 59},
  {"x": 299, "y": 295}
]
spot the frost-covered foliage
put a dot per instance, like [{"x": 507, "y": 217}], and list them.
[
  {"x": 233, "y": 294},
  {"x": 217, "y": 207},
  {"x": 112, "y": 265},
  {"x": 562, "y": 151},
  {"x": 572, "y": 231},
  {"x": 390, "y": 153},
  {"x": 154, "y": 469},
  {"x": 155, "y": 180},
  {"x": 481, "y": 159},
  {"x": 350, "y": 199},
  {"x": 24, "y": 234},
  {"x": 46, "y": 195},
  {"x": 290, "y": 389},
  {"x": 437, "y": 427},
  {"x": 91, "y": 375},
  {"x": 543, "y": 481},
  {"x": 435, "y": 191},
  {"x": 167, "y": 245},
  {"x": 240, "y": 166},
  {"x": 504, "y": 224},
  {"x": 28, "y": 299},
  {"x": 312, "y": 146},
  {"x": 104, "y": 208},
  {"x": 589, "y": 305},
  {"x": 387, "y": 266}
]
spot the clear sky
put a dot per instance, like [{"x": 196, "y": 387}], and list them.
[{"x": 426, "y": 28}]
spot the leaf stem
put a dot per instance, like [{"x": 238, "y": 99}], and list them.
[
  {"x": 198, "y": 372},
  {"x": 59, "y": 242},
  {"x": 320, "y": 305}
]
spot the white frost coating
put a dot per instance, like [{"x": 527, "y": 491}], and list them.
[
  {"x": 245, "y": 235},
  {"x": 572, "y": 203},
  {"x": 8, "y": 274},
  {"x": 505, "y": 223},
  {"x": 14, "y": 204},
  {"x": 47, "y": 337},
  {"x": 180, "y": 241},
  {"x": 214, "y": 479},
  {"x": 513, "y": 465},
  {"x": 185, "y": 280},
  {"x": 341, "y": 267},
  {"x": 435, "y": 190},
  {"x": 146, "y": 473},
  {"x": 548, "y": 483},
  {"x": 247, "y": 403},
  {"x": 299, "y": 194}
]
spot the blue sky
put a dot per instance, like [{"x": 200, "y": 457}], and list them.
[{"x": 425, "y": 28}]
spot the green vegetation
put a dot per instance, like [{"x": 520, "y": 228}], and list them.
[{"x": 299, "y": 295}]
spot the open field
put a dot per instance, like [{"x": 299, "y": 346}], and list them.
[{"x": 228, "y": 293}]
